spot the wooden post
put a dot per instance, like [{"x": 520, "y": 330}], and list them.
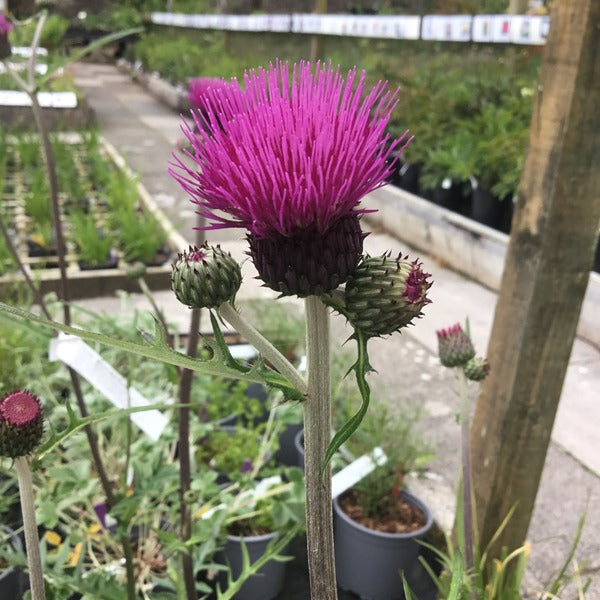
[
  {"x": 315, "y": 40},
  {"x": 547, "y": 268}
]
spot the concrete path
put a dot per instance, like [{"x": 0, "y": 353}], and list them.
[{"x": 145, "y": 132}]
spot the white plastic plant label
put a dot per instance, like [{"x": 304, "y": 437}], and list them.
[
  {"x": 76, "y": 354},
  {"x": 356, "y": 471}
]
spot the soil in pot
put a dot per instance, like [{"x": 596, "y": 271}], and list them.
[{"x": 400, "y": 515}]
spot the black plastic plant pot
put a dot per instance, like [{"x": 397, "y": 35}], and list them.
[
  {"x": 409, "y": 177},
  {"x": 264, "y": 585},
  {"x": 450, "y": 195},
  {"x": 13, "y": 581},
  {"x": 488, "y": 209},
  {"x": 287, "y": 454},
  {"x": 370, "y": 563}
]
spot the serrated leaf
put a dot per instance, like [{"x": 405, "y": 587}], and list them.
[{"x": 220, "y": 364}]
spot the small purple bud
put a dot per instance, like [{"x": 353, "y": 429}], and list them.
[
  {"x": 455, "y": 348},
  {"x": 247, "y": 466}
]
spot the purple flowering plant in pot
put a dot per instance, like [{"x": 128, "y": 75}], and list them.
[{"x": 287, "y": 155}]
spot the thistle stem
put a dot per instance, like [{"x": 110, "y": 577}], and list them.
[
  {"x": 185, "y": 519},
  {"x": 266, "y": 349},
  {"x": 317, "y": 435},
  {"x": 32, "y": 544},
  {"x": 467, "y": 506}
]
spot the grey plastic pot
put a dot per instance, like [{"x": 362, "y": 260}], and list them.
[
  {"x": 370, "y": 563},
  {"x": 268, "y": 582}
]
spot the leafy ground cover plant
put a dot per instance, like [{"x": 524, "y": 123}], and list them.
[
  {"x": 94, "y": 245},
  {"x": 322, "y": 222}
]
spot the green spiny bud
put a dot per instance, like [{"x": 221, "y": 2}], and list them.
[
  {"x": 455, "y": 348},
  {"x": 385, "y": 294},
  {"x": 21, "y": 424},
  {"x": 205, "y": 277},
  {"x": 477, "y": 368}
]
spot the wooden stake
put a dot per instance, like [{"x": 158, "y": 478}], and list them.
[{"x": 547, "y": 268}]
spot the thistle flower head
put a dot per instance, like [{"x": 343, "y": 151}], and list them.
[
  {"x": 289, "y": 157},
  {"x": 205, "y": 277},
  {"x": 5, "y": 25},
  {"x": 455, "y": 348},
  {"x": 385, "y": 294},
  {"x": 21, "y": 424},
  {"x": 5, "y": 28},
  {"x": 198, "y": 88}
]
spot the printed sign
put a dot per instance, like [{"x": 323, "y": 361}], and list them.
[
  {"x": 447, "y": 28},
  {"x": 515, "y": 29}
]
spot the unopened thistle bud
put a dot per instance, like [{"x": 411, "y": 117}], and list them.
[
  {"x": 21, "y": 424},
  {"x": 385, "y": 294},
  {"x": 455, "y": 348},
  {"x": 477, "y": 369},
  {"x": 205, "y": 277}
]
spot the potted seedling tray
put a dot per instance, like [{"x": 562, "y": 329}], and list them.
[{"x": 110, "y": 222}]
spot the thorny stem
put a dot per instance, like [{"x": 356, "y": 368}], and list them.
[
  {"x": 185, "y": 518},
  {"x": 266, "y": 349},
  {"x": 32, "y": 544},
  {"x": 317, "y": 432},
  {"x": 467, "y": 508}
]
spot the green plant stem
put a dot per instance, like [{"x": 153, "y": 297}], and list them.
[
  {"x": 266, "y": 349},
  {"x": 317, "y": 432},
  {"x": 157, "y": 311},
  {"x": 37, "y": 295},
  {"x": 465, "y": 432},
  {"x": 185, "y": 517},
  {"x": 32, "y": 543}
]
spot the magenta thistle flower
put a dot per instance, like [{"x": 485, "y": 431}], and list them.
[
  {"x": 5, "y": 28},
  {"x": 21, "y": 424},
  {"x": 198, "y": 89},
  {"x": 455, "y": 348},
  {"x": 5, "y": 25},
  {"x": 289, "y": 159}
]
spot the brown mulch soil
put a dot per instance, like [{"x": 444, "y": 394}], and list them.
[
  {"x": 399, "y": 517},
  {"x": 246, "y": 529}
]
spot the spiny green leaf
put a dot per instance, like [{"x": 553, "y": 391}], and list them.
[{"x": 213, "y": 365}]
